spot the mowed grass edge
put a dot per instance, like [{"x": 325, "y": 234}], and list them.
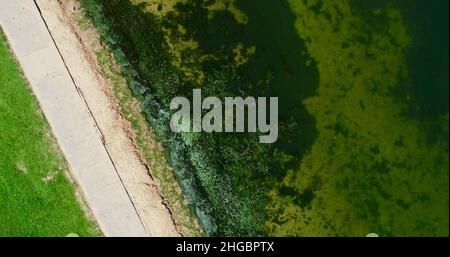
[{"x": 36, "y": 196}]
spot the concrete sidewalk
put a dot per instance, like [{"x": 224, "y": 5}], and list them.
[{"x": 69, "y": 118}]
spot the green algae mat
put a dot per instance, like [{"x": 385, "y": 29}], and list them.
[
  {"x": 363, "y": 109},
  {"x": 36, "y": 197}
]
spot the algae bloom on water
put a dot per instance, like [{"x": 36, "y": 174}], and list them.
[{"x": 362, "y": 85}]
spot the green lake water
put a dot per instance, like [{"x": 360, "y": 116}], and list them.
[{"x": 363, "y": 94}]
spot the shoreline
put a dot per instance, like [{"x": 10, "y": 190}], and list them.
[{"x": 107, "y": 94}]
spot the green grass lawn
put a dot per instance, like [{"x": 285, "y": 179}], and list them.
[{"x": 36, "y": 198}]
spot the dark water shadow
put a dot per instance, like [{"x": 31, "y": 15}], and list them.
[{"x": 282, "y": 52}]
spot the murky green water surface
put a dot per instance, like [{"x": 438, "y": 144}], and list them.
[{"x": 363, "y": 88}]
